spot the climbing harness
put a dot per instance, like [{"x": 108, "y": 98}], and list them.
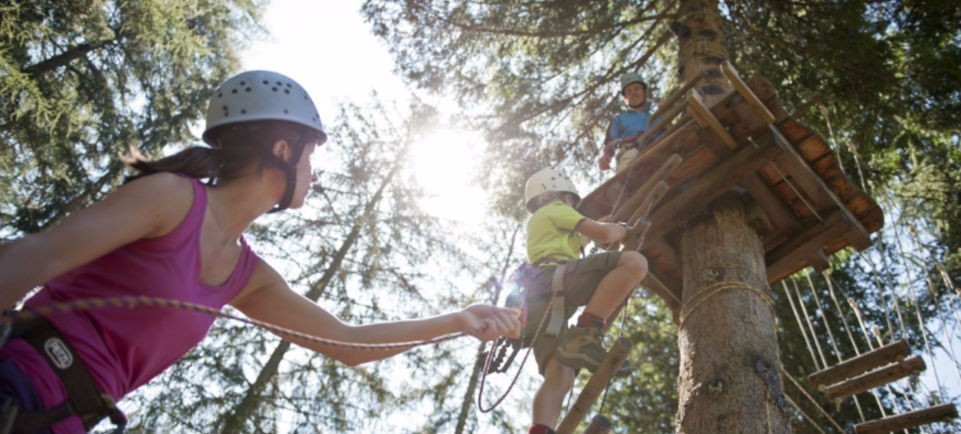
[
  {"x": 555, "y": 310},
  {"x": 83, "y": 398}
]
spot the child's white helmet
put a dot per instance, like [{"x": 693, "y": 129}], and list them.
[
  {"x": 261, "y": 96},
  {"x": 545, "y": 181}
]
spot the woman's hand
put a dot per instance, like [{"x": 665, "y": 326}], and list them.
[{"x": 486, "y": 322}]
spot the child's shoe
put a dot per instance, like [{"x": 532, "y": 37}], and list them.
[{"x": 580, "y": 347}]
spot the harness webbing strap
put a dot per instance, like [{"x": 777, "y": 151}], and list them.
[
  {"x": 83, "y": 397},
  {"x": 557, "y": 308}
]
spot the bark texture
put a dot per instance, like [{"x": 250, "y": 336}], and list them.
[
  {"x": 701, "y": 47},
  {"x": 729, "y": 380}
]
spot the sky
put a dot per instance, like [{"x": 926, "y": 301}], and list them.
[{"x": 326, "y": 47}]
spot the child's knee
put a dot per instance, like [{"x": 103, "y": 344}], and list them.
[{"x": 634, "y": 261}]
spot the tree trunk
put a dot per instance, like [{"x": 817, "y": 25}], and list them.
[
  {"x": 729, "y": 380},
  {"x": 701, "y": 47}
]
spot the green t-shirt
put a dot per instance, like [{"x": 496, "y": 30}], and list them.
[{"x": 551, "y": 234}]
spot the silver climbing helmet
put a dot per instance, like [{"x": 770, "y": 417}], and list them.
[
  {"x": 630, "y": 78},
  {"x": 261, "y": 96}
]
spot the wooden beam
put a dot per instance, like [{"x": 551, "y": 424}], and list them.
[
  {"x": 670, "y": 101},
  {"x": 599, "y": 425},
  {"x": 713, "y": 183},
  {"x": 746, "y": 92},
  {"x": 595, "y": 386},
  {"x": 622, "y": 212},
  {"x": 889, "y": 353},
  {"x": 784, "y": 220},
  {"x": 937, "y": 413},
  {"x": 785, "y": 257},
  {"x": 650, "y": 201},
  {"x": 875, "y": 378},
  {"x": 809, "y": 181},
  {"x": 705, "y": 118},
  {"x": 638, "y": 234},
  {"x": 655, "y": 285},
  {"x": 818, "y": 260}
]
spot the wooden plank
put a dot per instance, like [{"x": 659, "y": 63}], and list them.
[
  {"x": 746, "y": 92},
  {"x": 785, "y": 258},
  {"x": 818, "y": 260},
  {"x": 595, "y": 386},
  {"x": 715, "y": 182},
  {"x": 599, "y": 425},
  {"x": 792, "y": 173},
  {"x": 659, "y": 125},
  {"x": 644, "y": 210},
  {"x": 655, "y": 285},
  {"x": 622, "y": 212},
  {"x": 670, "y": 101},
  {"x": 875, "y": 378},
  {"x": 925, "y": 416},
  {"x": 702, "y": 114},
  {"x": 784, "y": 220},
  {"x": 638, "y": 234},
  {"x": 808, "y": 179},
  {"x": 889, "y": 353}
]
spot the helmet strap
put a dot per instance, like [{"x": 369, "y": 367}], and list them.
[{"x": 290, "y": 170}]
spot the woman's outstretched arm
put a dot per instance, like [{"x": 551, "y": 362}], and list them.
[{"x": 268, "y": 298}]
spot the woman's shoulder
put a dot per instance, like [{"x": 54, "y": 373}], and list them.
[
  {"x": 162, "y": 185},
  {"x": 170, "y": 194}
]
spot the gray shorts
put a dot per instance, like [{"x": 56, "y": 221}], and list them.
[{"x": 580, "y": 281}]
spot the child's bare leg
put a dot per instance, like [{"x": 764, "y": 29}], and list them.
[
  {"x": 558, "y": 380},
  {"x": 617, "y": 284}
]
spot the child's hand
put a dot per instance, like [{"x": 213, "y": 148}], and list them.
[
  {"x": 486, "y": 322},
  {"x": 605, "y": 162}
]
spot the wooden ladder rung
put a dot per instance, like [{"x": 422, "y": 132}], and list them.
[
  {"x": 874, "y": 379},
  {"x": 746, "y": 92},
  {"x": 889, "y": 353},
  {"x": 595, "y": 386},
  {"x": 599, "y": 425},
  {"x": 649, "y": 202},
  {"x": 635, "y": 239},
  {"x": 705, "y": 118},
  {"x": 625, "y": 210},
  {"x": 924, "y": 416}
]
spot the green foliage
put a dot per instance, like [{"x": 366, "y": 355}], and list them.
[
  {"x": 82, "y": 81},
  {"x": 541, "y": 79}
]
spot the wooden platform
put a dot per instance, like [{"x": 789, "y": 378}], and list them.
[{"x": 809, "y": 207}]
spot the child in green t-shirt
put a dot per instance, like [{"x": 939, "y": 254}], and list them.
[{"x": 599, "y": 282}]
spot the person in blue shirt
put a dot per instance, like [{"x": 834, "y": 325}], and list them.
[{"x": 628, "y": 125}]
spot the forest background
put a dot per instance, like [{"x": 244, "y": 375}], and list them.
[{"x": 438, "y": 110}]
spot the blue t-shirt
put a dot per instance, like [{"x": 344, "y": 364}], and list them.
[{"x": 630, "y": 123}]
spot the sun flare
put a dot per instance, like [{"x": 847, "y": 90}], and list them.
[{"x": 446, "y": 161}]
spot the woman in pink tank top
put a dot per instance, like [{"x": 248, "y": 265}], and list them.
[{"x": 165, "y": 234}]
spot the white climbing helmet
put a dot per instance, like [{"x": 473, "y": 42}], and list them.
[
  {"x": 547, "y": 180},
  {"x": 260, "y": 96}
]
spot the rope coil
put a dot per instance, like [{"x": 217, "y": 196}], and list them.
[{"x": 705, "y": 293}]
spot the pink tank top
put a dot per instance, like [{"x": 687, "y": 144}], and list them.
[{"x": 125, "y": 348}]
